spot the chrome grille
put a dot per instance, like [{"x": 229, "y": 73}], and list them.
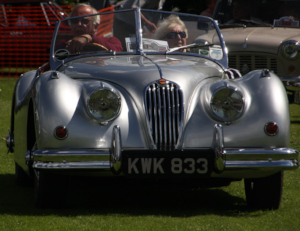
[
  {"x": 246, "y": 63},
  {"x": 164, "y": 109}
]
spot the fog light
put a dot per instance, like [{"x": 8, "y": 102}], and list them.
[
  {"x": 61, "y": 132},
  {"x": 271, "y": 128}
]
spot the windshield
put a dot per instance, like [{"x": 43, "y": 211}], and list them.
[
  {"x": 279, "y": 13},
  {"x": 119, "y": 31}
]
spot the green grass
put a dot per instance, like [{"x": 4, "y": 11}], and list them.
[{"x": 94, "y": 206}]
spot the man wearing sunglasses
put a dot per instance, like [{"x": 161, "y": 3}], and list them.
[{"x": 84, "y": 31}]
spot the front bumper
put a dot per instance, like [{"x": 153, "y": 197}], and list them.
[{"x": 226, "y": 160}]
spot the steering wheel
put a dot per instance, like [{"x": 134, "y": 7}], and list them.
[{"x": 95, "y": 47}]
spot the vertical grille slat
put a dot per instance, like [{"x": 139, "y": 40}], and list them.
[
  {"x": 155, "y": 115},
  {"x": 160, "y": 127},
  {"x": 169, "y": 116},
  {"x": 164, "y": 107},
  {"x": 177, "y": 114},
  {"x": 173, "y": 114}
]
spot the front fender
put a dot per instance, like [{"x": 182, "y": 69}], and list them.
[
  {"x": 19, "y": 117},
  {"x": 61, "y": 101},
  {"x": 265, "y": 101}
]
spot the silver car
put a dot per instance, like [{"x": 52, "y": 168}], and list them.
[
  {"x": 152, "y": 111},
  {"x": 263, "y": 34}
]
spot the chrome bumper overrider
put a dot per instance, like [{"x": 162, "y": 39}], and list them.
[{"x": 225, "y": 158}]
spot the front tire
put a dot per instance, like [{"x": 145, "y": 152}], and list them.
[{"x": 264, "y": 193}]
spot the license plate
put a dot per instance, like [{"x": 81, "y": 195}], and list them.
[{"x": 168, "y": 163}]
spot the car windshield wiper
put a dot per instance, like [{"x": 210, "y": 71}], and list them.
[
  {"x": 193, "y": 45},
  {"x": 64, "y": 53}
]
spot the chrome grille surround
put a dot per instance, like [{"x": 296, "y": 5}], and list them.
[{"x": 164, "y": 109}]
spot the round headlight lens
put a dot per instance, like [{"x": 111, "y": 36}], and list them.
[
  {"x": 227, "y": 104},
  {"x": 291, "y": 49},
  {"x": 104, "y": 104}
]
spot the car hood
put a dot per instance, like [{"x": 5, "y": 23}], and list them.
[
  {"x": 262, "y": 39},
  {"x": 135, "y": 72}
]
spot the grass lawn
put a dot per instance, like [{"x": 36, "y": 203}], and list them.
[{"x": 93, "y": 205}]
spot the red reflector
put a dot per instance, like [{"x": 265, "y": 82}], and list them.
[
  {"x": 271, "y": 128},
  {"x": 292, "y": 68},
  {"x": 60, "y": 132}
]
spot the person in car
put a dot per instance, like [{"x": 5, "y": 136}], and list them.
[
  {"x": 172, "y": 30},
  {"x": 208, "y": 12},
  {"x": 84, "y": 30}
]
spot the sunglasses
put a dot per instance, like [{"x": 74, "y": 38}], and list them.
[
  {"x": 84, "y": 21},
  {"x": 173, "y": 35}
]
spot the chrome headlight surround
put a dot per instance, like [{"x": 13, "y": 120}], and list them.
[
  {"x": 104, "y": 103},
  {"x": 227, "y": 103},
  {"x": 291, "y": 49}
]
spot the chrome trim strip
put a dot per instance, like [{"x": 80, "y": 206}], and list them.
[
  {"x": 261, "y": 159},
  {"x": 260, "y": 154},
  {"x": 71, "y": 159},
  {"x": 261, "y": 165},
  {"x": 139, "y": 31},
  {"x": 73, "y": 165}
]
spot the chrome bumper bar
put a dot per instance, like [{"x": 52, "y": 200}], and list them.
[
  {"x": 277, "y": 158},
  {"x": 71, "y": 159},
  {"x": 271, "y": 159},
  {"x": 283, "y": 159},
  {"x": 225, "y": 158}
]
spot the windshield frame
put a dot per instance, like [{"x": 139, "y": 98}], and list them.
[{"x": 54, "y": 63}]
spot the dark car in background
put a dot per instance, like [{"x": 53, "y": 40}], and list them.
[{"x": 263, "y": 34}]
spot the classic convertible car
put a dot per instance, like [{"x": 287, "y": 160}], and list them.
[
  {"x": 151, "y": 111},
  {"x": 263, "y": 34}
]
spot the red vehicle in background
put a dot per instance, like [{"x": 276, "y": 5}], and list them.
[
  {"x": 22, "y": 45},
  {"x": 26, "y": 28}
]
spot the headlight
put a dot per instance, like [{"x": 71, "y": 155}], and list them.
[
  {"x": 104, "y": 104},
  {"x": 291, "y": 49},
  {"x": 227, "y": 103}
]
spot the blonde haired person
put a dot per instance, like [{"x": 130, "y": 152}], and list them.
[{"x": 172, "y": 30}]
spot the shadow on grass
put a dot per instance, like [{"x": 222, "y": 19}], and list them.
[
  {"x": 93, "y": 196},
  {"x": 295, "y": 122}
]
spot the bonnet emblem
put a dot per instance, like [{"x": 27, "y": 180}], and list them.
[{"x": 162, "y": 81}]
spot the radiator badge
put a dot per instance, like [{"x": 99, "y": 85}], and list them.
[{"x": 162, "y": 82}]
